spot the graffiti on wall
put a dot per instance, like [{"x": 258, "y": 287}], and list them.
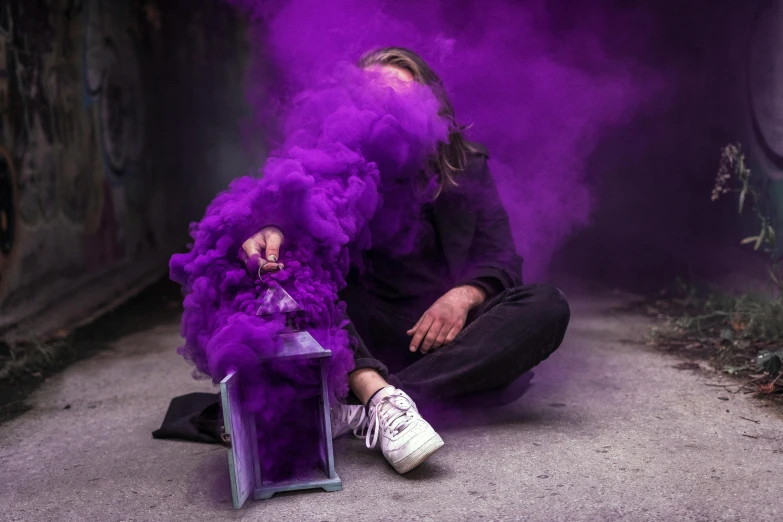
[
  {"x": 49, "y": 137},
  {"x": 83, "y": 173}
]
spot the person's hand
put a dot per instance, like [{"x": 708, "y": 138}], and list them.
[
  {"x": 441, "y": 323},
  {"x": 262, "y": 251}
]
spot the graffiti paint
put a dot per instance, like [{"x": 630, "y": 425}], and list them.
[
  {"x": 85, "y": 178},
  {"x": 112, "y": 78}
]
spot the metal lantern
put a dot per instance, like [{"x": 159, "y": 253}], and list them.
[{"x": 240, "y": 428}]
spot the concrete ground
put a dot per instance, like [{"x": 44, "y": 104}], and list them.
[{"x": 610, "y": 430}]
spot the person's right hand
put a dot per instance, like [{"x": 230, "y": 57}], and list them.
[{"x": 262, "y": 251}]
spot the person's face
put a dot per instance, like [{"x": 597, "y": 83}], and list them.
[{"x": 395, "y": 77}]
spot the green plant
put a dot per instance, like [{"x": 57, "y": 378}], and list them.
[
  {"x": 741, "y": 334},
  {"x": 734, "y": 176}
]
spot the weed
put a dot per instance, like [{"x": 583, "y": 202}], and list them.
[{"x": 741, "y": 334}]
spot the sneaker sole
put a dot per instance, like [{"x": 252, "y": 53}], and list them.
[{"x": 421, "y": 454}]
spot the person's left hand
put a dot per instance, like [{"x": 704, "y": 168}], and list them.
[{"x": 441, "y": 323}]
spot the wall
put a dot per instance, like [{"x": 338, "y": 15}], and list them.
[
  {"x": 118, "y": 122},
  {"x": 652, "y": 178},
  {"x": 764, "y": 102}
]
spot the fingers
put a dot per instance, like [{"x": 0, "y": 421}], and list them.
[
  {"x": 251, "y": 254},
  {"x": 441, "y": 339},
  {"x": 273, "y": 240},
  {"x": 415, "y": 326},
  {"x": 267, "y": 267},
  {"x": 431, "y": 332},
  {"x": 262, "y": 252},
  {"x": 420, "y": 331},
  {"x": 254, "y": 247},
  {"x": 432, "y": 335},
  {"x": 456, "y": 329}
]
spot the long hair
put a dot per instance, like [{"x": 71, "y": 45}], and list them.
[{"x": 452, "y": 156}]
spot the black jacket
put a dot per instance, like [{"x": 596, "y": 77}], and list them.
[
  {"x": 473, "y": 246},
  {"x": 475, "y": 232}
]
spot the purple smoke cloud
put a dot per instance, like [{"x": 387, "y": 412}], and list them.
[
  {"x": 345, "y": 173},
  {"x": 537, "y": 101},
  {"x": 346, "y": 178}
]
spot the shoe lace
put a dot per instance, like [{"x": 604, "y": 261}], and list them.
[
  {"x": 353, "y": 417},
  {"x": 393, "y": 413}
]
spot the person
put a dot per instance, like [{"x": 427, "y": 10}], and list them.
[{"x": 450, "y": 320}]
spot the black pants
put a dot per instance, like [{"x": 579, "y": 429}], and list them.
[{"x": 503, "y": 338}]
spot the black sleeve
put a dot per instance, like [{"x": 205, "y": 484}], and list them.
[
  {"x": 492, "y": 263},
  {"x": 491, "y": 285}
]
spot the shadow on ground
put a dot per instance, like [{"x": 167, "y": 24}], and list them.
[{"x": 26, "y": 366}]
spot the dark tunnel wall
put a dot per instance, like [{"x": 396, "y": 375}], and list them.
[
  {"x": 652, "y": 178},
  {"x": 119, "y": 120},
  {"x": 118, "y": 123},
  {"x": 764, "y": 103}
]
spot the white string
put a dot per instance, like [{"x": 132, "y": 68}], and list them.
[{"x": 392, "y": 413}]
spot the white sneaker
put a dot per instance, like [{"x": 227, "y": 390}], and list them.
[
  {"x": 347, "y": 417},
  {"x": 407, "y": 439}
]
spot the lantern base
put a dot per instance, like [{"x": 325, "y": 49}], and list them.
[{"x": 327, "y": 484}]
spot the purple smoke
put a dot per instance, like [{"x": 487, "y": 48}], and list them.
[
  {"x": 347, "y": 177},
  {"x": 346, "y": 173},
  {"x": 538, "y": 100}
]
